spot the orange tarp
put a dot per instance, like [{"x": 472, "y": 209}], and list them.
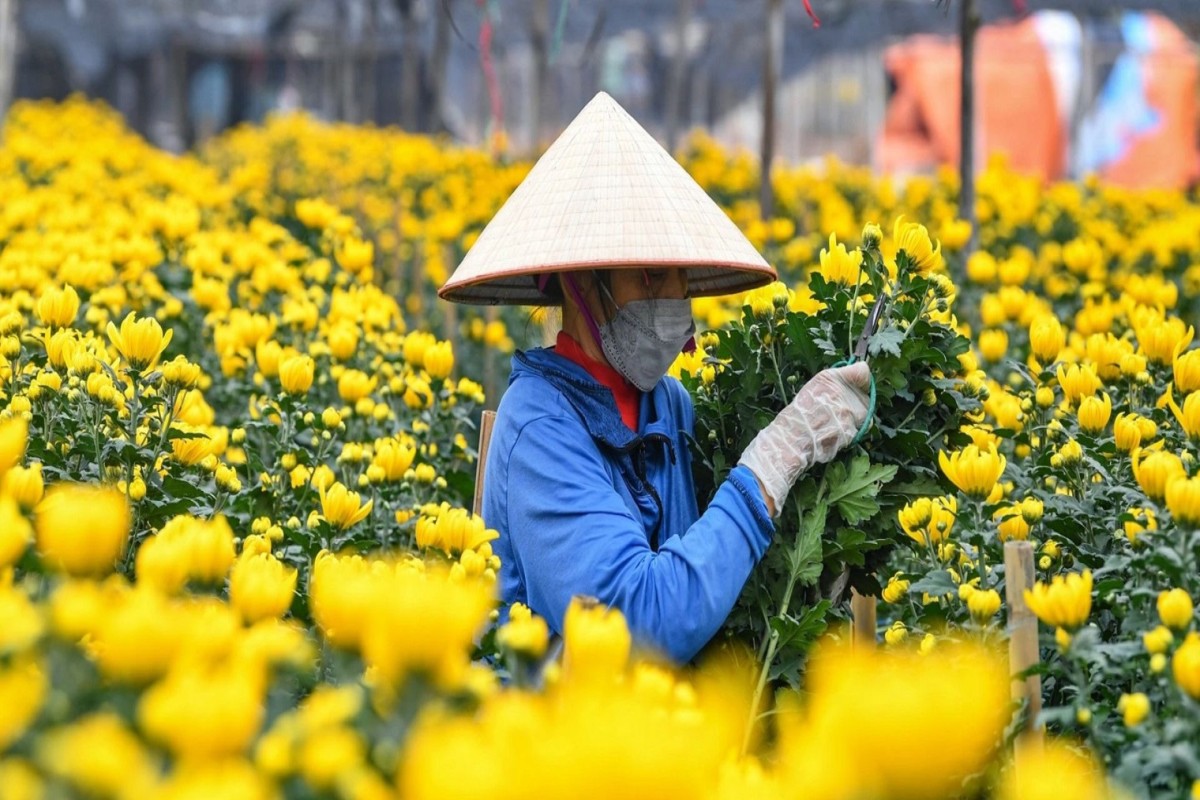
[
  {"x": 1015, "y": 104},
  {"x": 1167, "y": 156}
]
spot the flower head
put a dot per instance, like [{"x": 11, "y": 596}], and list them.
[
  {"x": 597, "y": 640},
  {"x": 139, "y": 341},
  {"x": 913, "y": 239},
  {"x": 1011, "y": 524},
  {"x": 261, "y": 587},
  {"x": 1188, "y": 417},
  {"x": 296, "y": 374},
  {"x": 1154, "y": 470},
  {"x": 81, "y": 529},
  {"x": 1127, "y": 432},
  {"x": 453, "y": 530},
  {"x": 354, "y": 385},
  {"x": 983, "y": 605},
  {"x": 25, "y": 485},
  {"x": 1094, "y": 412},
  {"x": 1175, "y": 609},
  {"x": 1186, "y": 370},
  {"x": 14, "y": 434},
  {"x": 341, "y": 508},
  {"x": 929, "y": 520},
  {"x": 1185, "y": 666},
  {"x": 1046, "y": 337},
  {"x": 1065, "y": 602},
  {"x": 57, "y": 308},
  {"x": 1078, "y": 380},
  {"x": 1183, "y": 499},
  {"x": 524, "y": 632},
  {"x": 1134, "y": 708},
  {"x": 974, "y": 471},
  {"x": 839, "y": 266}
]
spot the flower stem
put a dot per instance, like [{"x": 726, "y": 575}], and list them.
[{"x": 773, "y": 637}]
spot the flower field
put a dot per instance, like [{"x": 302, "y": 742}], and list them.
[{"x": 237, "y": 457}]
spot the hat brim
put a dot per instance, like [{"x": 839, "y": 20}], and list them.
[{"x": 520, "y": 287}]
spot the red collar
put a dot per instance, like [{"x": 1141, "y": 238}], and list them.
[{"x": 626, "y": 395}]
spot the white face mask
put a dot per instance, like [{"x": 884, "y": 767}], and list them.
[{"x": 644, "y": 337}]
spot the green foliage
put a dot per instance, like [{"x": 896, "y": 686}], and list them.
[{"x": 839, "y": 523}]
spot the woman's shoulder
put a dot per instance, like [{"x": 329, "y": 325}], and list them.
[
  {"x": 676, "y": 392},
  {"x": 679, "y": 401},
  {"x": 529, "y": 399}
]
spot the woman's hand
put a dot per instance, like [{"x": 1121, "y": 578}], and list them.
[{"x": 824, "y": 417}]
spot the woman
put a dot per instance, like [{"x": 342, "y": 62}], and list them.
[{"x": 588, "y": 477}]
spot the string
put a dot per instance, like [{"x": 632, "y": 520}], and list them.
[{"x": 812, "y": 15}]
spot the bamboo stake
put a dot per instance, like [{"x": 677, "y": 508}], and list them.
[
  {"x": 490, "y": 389},
  {"x": 862, "y": 607},
  {"x": 1022, "y": 630},
  {"x": 485, "y": 440}
]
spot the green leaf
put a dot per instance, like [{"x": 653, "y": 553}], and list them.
[
  {"x": 186, "y": 490},
  {"x": 797, "y": 633},
  {"x": 936, "y": 583},
  {"x": 806, "y": 562},
  {"x": 886, "y": 341},
  {"x": 853, "y": 486}
]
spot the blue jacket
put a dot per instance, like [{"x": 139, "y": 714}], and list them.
[{"x": 585, "y": 506}]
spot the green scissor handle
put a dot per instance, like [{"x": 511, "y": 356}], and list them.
[
  {"x": 866, "y": 426},
  {"x": 860, "y": 354}
]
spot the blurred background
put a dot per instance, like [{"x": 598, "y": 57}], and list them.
[{"x": 1065, "y": 88}]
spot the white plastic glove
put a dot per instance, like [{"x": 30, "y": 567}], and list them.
[{"x": 824, "y": 417}]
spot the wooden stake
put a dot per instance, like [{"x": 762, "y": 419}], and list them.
[
  {"x": 1022, "y": 629},
  {"x": 485, "y": 440},
  {"x": 862, "y": 607}
]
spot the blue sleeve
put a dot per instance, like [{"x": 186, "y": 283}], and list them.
[{"x": 576, "y": 536}]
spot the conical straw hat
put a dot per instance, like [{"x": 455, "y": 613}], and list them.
[{"x": 605, "y": 196}]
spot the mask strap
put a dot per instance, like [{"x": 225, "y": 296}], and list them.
[{"x": 577, "y": 296}]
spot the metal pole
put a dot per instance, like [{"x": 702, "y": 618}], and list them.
[
  {"x": 8, "y": 53},
  {"x": 772, "y": 66},
  {"x": 438, "y": 69},
  {"x": 968, "y": 26},
  {"x": 539, "y": 39},
  {"x": 683, "y": 17}
]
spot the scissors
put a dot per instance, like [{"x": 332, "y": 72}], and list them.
[
  {"x": 860, "y": 349},
  {"x": 860, "y": 354}
]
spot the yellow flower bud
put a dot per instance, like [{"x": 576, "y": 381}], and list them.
[
  {"x": 57, "y": 308},
  {"x": 896, "y": 634},
  {"x": 1046, "y": 338},
  {"x": 82, "y": 530},
  {"x": 296, "y": 374},
  {"x": 25, "y": 485},
  {"x": 1158, "y": 640},
  {"x": 1175, "y": 609},
  {"x": 983, "y": 605},
  {"x": 261, "y": 587},
  {"x": 1134, "y": 707},
  {"x": 1094, "y": 413}
]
